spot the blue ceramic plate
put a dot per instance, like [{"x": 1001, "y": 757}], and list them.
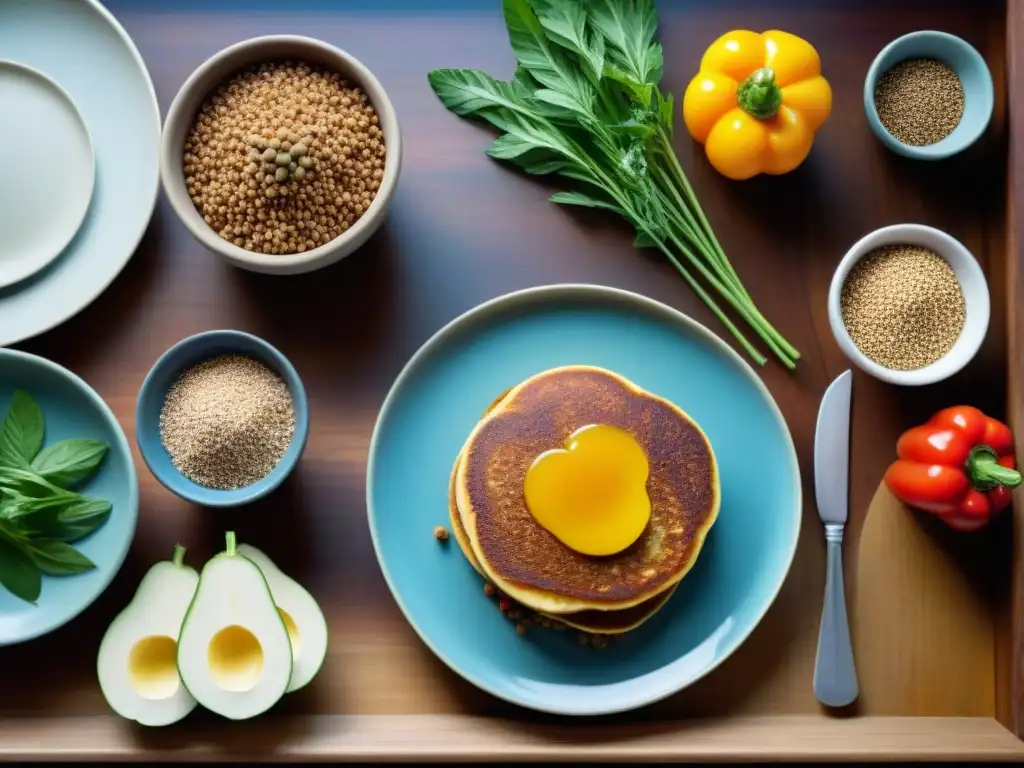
[
  {"x": 440, "y": 396},
  {"x": 72, "y": 408}
]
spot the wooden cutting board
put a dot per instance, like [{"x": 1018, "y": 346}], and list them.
[{"x": 919, "y": 605}]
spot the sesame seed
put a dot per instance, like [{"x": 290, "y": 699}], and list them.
[
  {"x": 903, "y": 306},
  {"x": 227, "y": 422}
]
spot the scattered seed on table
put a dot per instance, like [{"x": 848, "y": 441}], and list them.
[
  {"x": 441, "y": 533},
  {"x": 903, "y": 306},
  {"x": 920, "y": 101},
  {"x": 227, "y": 422}
]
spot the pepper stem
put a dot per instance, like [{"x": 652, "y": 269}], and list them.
[
  {"x": 758, "y": 95},
  {"x": 179, "y": 555},
  {"x": 986, "y": 473},
  {"x": 231, "y": 543}
]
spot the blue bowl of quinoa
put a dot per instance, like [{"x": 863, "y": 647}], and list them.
[{"x": 221, "y": 418}]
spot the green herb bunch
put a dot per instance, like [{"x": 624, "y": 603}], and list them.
[
  {"x": 585, "y": 104},
  {"x": 40, "y": 516}
]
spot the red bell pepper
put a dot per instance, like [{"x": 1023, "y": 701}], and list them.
[{"x": 959, "y": 465}]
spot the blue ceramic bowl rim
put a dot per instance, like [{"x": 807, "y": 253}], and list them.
[
  {"x": 527, "y": 296},
  {"x": 133, "y": 481},
  {"x": 213, "y": 497},
  {"x": 941, "y": 149}
]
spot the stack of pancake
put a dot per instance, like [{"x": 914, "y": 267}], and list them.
[{"x": 503, "y": 541}]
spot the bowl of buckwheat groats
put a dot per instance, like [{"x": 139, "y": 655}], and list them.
[{"x": 281, "y": 154}]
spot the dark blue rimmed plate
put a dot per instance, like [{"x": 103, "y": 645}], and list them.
[{"x": 439, "y": 397}]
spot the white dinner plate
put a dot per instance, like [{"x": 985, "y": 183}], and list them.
[
  {"x": 45, "y": 194},
  {"x": 80, "y": 45}
]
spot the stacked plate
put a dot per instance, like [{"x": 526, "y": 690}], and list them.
[{"x": 85, "y": 128}]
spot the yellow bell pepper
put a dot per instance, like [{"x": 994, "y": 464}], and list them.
[{"x": 756, "y": 102}]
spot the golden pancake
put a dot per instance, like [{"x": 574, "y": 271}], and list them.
[
  {"x": 597, "y": 622},
  {"x": 524, "y": 560}
]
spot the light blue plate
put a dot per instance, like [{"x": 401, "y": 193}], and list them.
[
  {"x": 82, "y": 48},
  {"x": 440, "y": 396},
  {"x": 72, "y": 408}
]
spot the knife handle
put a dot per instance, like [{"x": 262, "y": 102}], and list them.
[{"x": 835, "y": 676}]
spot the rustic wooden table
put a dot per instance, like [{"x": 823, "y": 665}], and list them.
[{"x": 933, "y": 616}]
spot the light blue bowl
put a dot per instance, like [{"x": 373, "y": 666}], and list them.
[
  {"x": 71, "y": 408},
  {"x": 969, "y": 66},
  {"x": 191, "y": 351},
  {"x": 438, "y": 399}
]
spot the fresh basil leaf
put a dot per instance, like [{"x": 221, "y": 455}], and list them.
[
  {"x": 18, "y": 573},
  {"x": 55, "y": 558},
  {"x": 71, "y": 523},
  {"x": 28, "y": 483},
  {"x": 22, "y": 435},
  {"x": 69, "y": 461},
  {"x": 17, "y": 506}
]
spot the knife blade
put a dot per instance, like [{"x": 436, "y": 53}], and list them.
[
  {"x": 835, "y": 675},
  {"x": 832, "y": 450}
]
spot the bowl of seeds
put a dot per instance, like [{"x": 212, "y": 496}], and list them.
[
  {"x": 281, "y": 154},
  {"x": 928, "y": 95},
  {"x": 221, "y": 419},
  {"x": 909, "y": 305}
]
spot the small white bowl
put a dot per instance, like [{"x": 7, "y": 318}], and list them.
[
  {"x": 972, "y": 282},
  {"x": 212, "y": 73}
]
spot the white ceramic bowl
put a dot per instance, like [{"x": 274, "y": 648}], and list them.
[
  {"x": 972, "y": 282},
  {"x": 214, "y": 71}
]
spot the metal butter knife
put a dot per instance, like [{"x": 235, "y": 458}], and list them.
[{"x": 835, "y": 676}]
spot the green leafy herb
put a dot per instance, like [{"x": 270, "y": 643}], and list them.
[
  {"x": 18, "y": 574},
  {"x": 585, "y": 104},
  {"x": 22, "y": 435},
  {"x": 56, "y": 558},
  {"x": 39, "y": 513},
  {"x": 72, "y": 522},
  {"x": 69, "y": 461}
]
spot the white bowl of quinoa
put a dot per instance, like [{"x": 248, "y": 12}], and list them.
[
  {"x": 281, "y": 154},
  {"x": 909, "y": 305}
]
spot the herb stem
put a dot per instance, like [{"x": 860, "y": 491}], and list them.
[
  {"x": 751, "y": 350},
  {"x": 683, "y": 219},
  {"x": 691, "y": 196},
  {"x": 716, "y": 247},
  {"x": 743, "y": 308}
]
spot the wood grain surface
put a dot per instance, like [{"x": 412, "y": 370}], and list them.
[{"x": 464, "y": 229}]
